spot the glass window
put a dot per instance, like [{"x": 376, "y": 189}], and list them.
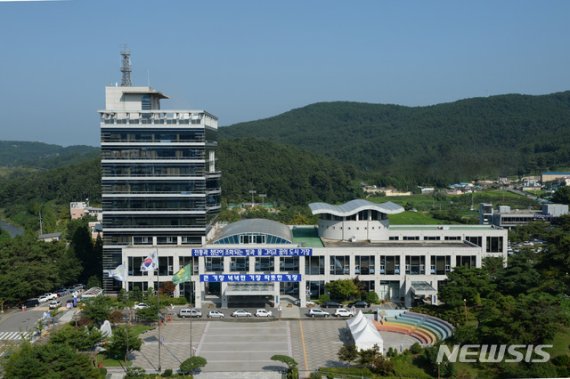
[
  {"x": 390, "y": 265},
  {"x": 314, "y": 265},
  {"x": 183, "y": 261},
  {"x": 468, "y": 261},
  {"x": 440, "y": 265},
  {"x": 289, "y": 264},
  {"x": 339, "y": 265},
  {"x": 315, "y": 289},
  {"x": 494, "y": 245},
  {"x": 215, "y": 264},
  {"x": 415, "y": 265},
  {"x": 240, "y": 264},
  {"x": 165, "y": 266},
  {"x": 264, "y": 264},
  {"x": 364, "y": 265},
  {"x": 134, "y": 266}
]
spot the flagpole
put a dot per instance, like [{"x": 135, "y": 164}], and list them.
[{"x": 158, "y": 301}]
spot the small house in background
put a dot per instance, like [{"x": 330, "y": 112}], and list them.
[
  {"x": 80, "y": 209},
  {"x": 50, "y": 237},
  {"x": 552, "y": 176}
]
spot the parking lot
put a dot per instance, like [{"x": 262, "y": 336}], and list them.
[{"x": 247, "y": 345}]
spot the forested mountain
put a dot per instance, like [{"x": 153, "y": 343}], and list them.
[
  {"x": 286, "y": 174},
  {"x": 498, "y": 135},
  {"x": 24, "y": 194},
  {"x": 42, "y": 155}
]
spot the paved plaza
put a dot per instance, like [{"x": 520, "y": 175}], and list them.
[{"x": 246, "y": 346}]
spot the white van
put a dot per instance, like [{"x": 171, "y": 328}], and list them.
[{"x": 189, "y": 312}]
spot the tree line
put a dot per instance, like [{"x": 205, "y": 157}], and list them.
[{"x": 405, "y": 146}]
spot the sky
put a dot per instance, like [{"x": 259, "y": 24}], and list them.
[{"x": 248, "y": 60}]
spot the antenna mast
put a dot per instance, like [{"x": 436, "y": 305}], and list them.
[{"x": 126, "y": 68}]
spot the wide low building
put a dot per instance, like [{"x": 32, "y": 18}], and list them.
[{"x": 265, "y": 260}]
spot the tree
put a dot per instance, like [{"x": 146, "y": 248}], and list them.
[
  {"x": 562, "y": 195},
  {"x": 192, "y": 364},
  {"x": 98, "y": 309},
  {"x": 123, "y": 342},
  {"x": 348, "y": 353},
  {"x": 49, "y": 361},
  {"x": 82, "y": 339},
  {"x": 292, "y": 370},
  {"x": 343, "y": 289},
  {"x": 149, "y": 314}
]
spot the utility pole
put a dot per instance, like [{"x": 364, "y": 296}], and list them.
[{"x": 252, "y": 192}]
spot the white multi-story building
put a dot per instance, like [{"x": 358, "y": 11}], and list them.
[
  {"x": 265, "y": 259},
  {"x": 160, "y": 186}
]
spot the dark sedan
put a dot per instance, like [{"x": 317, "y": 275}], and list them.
[{"x": 359, "y": 304}]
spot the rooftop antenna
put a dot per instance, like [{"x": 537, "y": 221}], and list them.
[{"x": 126, "y": 68}]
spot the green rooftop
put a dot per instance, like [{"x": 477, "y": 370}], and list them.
[{"x": 307, "y": 236}]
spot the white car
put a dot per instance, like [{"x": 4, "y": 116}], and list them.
[
  {"x": 43, "y": 298},
  {"x": 241, "y": 313},
  {"x": 54, "y": 304},
  {"x": 141, "y": 306},
  {"x": 189, "y": 312},
  {"x": 263, "y": 313},
  {"x": 343, "y": 312},
  {"x": 316, "y": 312},
  {"x": 215, "y": 314}
]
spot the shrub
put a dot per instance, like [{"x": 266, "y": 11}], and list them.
[
  {"x": 372, "y": 297},
  {"x": 416, "y": 348},
  {"x": 192, "y": 364},
  {"x": 167, "y": 373}
]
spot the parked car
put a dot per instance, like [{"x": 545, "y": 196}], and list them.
[
  {"x": 241, "y": 313},
  {"x": 263, "y": 313},
  {"x": 43, "y": 298},
  {"x": 359, "y": 304},
  {"x": 343, "y": 312},
  {"x": 54, "y": 304},
  {"x": 141, "y": 306},
  {"x": 215, "y": 314},
  {"x": 62, "y": 292},
  {"x": 316, "y": 312},
  {"x": 189, "y": 312},
  {"x": 331, "y": 304},
  {"x": 31, "y": 303}
]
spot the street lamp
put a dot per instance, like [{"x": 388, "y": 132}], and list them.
[
  {"x": 465, "y": 309},
  {"x": 252, "y": 192}
]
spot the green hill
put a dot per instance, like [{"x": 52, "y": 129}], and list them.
[
  {"x": 286, "y": 174},
  {"x": 498, "y": 135},
  {"x": 42, "y": 155}
]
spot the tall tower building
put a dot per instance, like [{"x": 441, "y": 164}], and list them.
[{"x": 159, "y": 180}]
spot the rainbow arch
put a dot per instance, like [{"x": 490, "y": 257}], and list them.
[{"x": 424, "y": 328}]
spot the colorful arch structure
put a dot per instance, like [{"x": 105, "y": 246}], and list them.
[{"x": 424, "y": 328}]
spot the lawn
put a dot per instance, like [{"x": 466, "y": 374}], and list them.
[
  {"x": 561, "y": 342},
  {"x": 413, "y": 218}
]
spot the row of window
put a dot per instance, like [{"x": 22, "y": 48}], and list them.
[
  {"x": 185, "y": 187},
  {"x": 364, "y": 265},
  {"x": 173, "y": 152},
  {"x": 153, "y": 136},
  {"x": 157, "y": 169},
  {"x": 367, "y": 215}
]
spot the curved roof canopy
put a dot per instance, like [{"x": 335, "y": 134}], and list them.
[
  {"x": 355, "y": 206},
  {"x": 256, "y": 226}
]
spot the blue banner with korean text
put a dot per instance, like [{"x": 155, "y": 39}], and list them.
[
  {"x": 254, "y": 252},
  {"x": 232, "y": 278}
]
